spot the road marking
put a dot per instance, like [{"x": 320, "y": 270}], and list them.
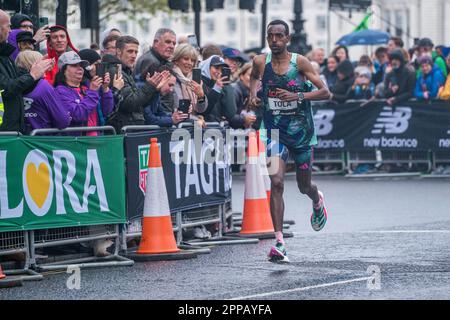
[
  {"x": 408, "y": 231},
  {"x": 325, "y": 285}
]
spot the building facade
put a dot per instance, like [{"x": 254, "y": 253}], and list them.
[{"x": 241, "y": 29}]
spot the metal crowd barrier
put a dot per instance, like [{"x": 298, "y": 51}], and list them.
[
  {"x": 383, "y": 157},
  {"x": 40, "y": 239},
  {"x": 16, "y": 244},
  {"x": 220, "y": 215}
]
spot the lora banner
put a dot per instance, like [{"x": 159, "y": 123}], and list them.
[{"x": 52, "y": 182}]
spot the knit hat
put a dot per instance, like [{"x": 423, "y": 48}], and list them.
[
  {"x": 345, "y": 68},
  {"x": 364, "y": 72},
  {"x": 17, "y": 20},
  {"x": 89, "y": 55},
  {"x": 426, "y": 60}
]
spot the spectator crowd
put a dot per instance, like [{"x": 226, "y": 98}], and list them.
[{"x": 174, "y": 81}]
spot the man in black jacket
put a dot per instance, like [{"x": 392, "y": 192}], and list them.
[
  {"x": 400, "y": 82},
  {"x": 130, "y": 110},
  {"x": 13, "y": 85}
]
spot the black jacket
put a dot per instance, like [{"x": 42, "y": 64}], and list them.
[
  {"x": 404, "y": 78},
  {"x": 221, "y": 106},
  {"x": 242, "y": 94},
  {"x": 130, "y": 110},
  {"x": 13, "y": 86}
]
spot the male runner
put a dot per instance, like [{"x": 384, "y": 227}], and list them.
[{"x": 285, "y": 98}]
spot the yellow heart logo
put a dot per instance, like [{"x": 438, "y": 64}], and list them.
[{"x": 38, "y": 182}]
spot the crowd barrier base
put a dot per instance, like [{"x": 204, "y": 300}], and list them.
[
  {"x": 16, "y": 243},
  {"x": 181, "y": 255},
  {"x": 76, "y": 235}
]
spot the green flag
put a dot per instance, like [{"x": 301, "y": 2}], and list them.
[{"x": 364, "y": 25}]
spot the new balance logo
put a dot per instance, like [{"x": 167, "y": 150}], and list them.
[
  {"x": 323, "y": 122},
  {"x": 393, "y": 122}
]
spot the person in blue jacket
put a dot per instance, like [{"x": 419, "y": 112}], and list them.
[{"x": 429, "y": 81}]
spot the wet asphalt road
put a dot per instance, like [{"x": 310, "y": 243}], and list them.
[{"x": 400, "y": 226}]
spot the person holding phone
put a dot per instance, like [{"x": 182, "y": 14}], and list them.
[
  {"x": 24, "y": 23},
  {"x": 163, "y": 79},
  {"x": 219, "y": 93},
  {"x": 184, "y": 59},
  {"x": 96, "y": 69},
  {"x": 82, "y": 99}
]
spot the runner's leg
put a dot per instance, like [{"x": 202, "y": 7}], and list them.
[{"x": 276, "y": 200}]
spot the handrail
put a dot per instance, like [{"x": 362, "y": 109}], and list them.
[
  {"x": 73, "y": 129},
  {"x": 127, "y": 129},
  {"x": 10, "y": 133}
]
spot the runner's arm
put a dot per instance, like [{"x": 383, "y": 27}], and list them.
[
  {"x": 255, "y": 79},
  {"x": 306, "y": 68}
]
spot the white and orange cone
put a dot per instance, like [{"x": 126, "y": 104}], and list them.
[
  {"x": 157, "y": 231},
  {"x": 263, "y": 163},
  {"x": 256, "y": 216}
]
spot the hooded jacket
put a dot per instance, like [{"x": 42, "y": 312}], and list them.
[
  {"x": 404, "y": 78},
  {"x": 221, "y": 101},
  {"x": 430, "y": 82},
  {"x": 51, "y": 54},
  {"x": 13, "y": 87},
  {"x": 12, "y": 40},
  {"x": 341, "y": 88},
  {"x": 43, "y": 109}
]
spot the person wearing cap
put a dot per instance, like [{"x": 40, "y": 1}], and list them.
[
  {"x": 234, "y": 59},
  {"x": 219, "y": 93},
  {"x": 81, "y": 99},
  {"x": 25, "y": 41},
  {"x": 363, "y": 88},
  {"x": 429, "y": 81},
  {"x": 43, "y": 107},
  {"x": 426, "y": 49},
  {"x": 400, "y": 82},
  {"x": 13, "y": 84},
  {"x": 23, "y": 22},
  {"x": 57, "y": 43}
]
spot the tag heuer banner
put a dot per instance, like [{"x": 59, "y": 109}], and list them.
[
  {"x": 51, "y": 182},
  {"x": 375, "y": 125},
  {"x": 191, "y": 180}
]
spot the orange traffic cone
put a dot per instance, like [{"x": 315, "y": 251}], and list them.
[
  {"x": 157, "y": 231},
  {"x": 256, "y": 217},
  {"x": 2, "y": 275},
  {"x": 263, "y": 163}
]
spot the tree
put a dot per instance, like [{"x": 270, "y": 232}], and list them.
[{"x": 108, "y": 8}]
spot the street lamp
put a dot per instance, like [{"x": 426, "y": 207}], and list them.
[{"x": 299, "y": 41}]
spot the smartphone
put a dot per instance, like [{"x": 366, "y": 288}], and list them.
[
  {"x": 119, "y": 69},
  {"x": 184, "y": 105},
  {"x": 43, "y": 21},
  {"x": 100, "y": 70},
  {"x": 226, "y": 72},
  {"x": 192, "y": 40},
  {"x": 197, "y": 75}
]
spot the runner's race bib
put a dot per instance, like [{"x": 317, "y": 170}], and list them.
[{"x": 281, "y": 108}]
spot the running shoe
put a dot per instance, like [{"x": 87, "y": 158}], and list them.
[
  {"x": 278, "y": 254},
  {"x": 319, "y": 216}
]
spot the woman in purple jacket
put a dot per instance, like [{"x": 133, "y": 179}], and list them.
[
  {"x": 79, "y": 99},
  {"x": 43, "y": 107}
]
